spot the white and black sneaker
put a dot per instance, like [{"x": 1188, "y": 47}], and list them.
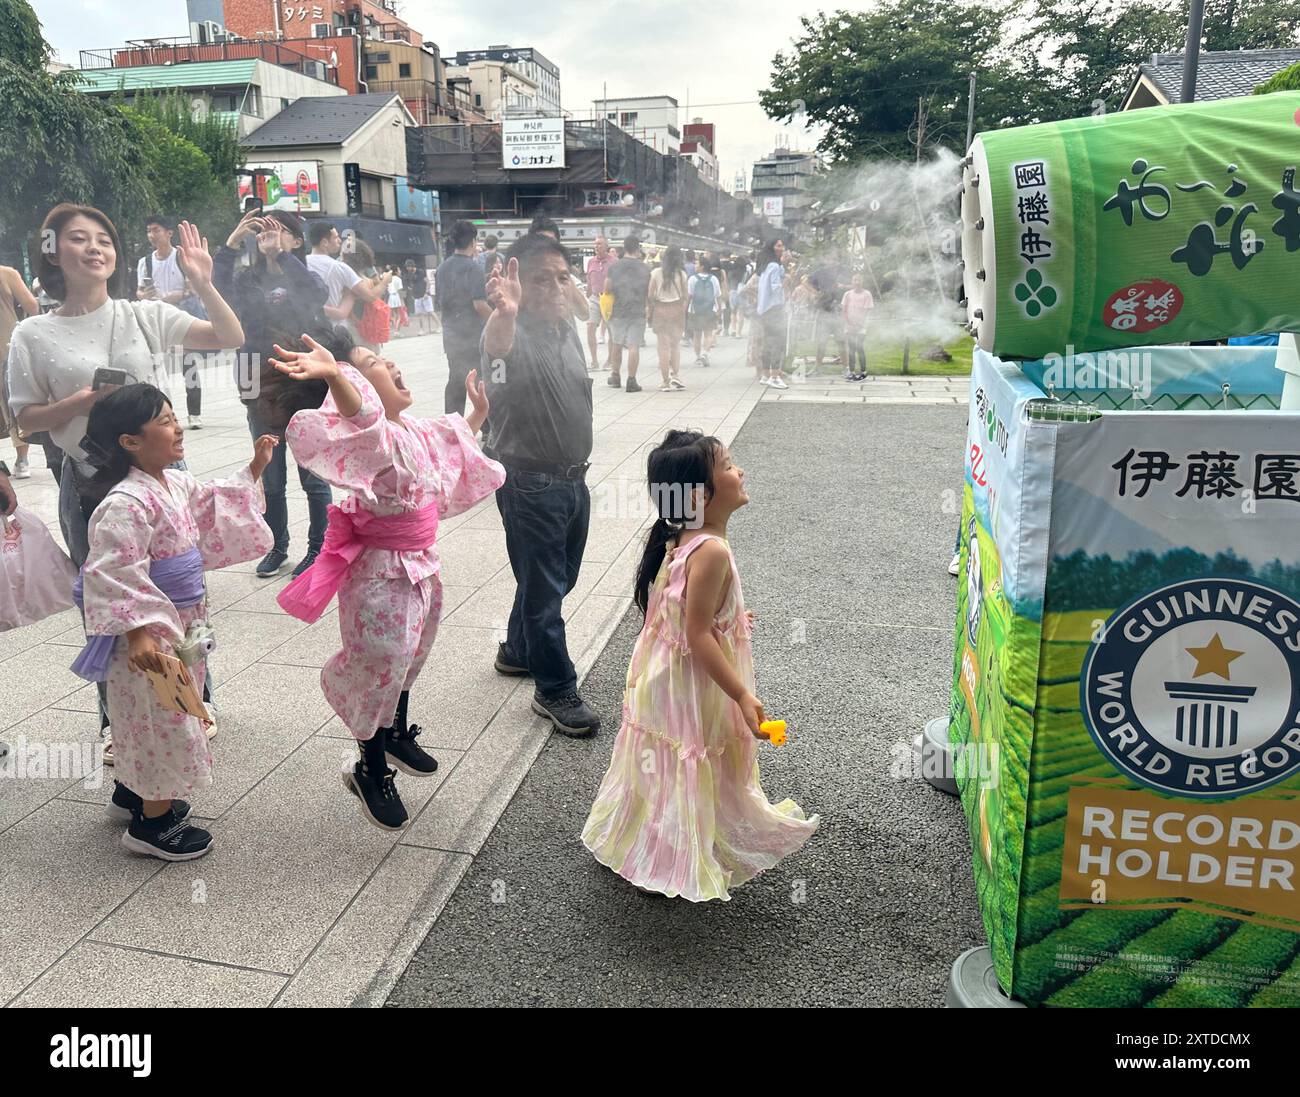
[
  {"x": 568, "y": 713},
  {"x": 380, "y": 802},
  {"x": 401, "y": 750},
  {"x": 125, "y": 803},
  {"x": 168, "y": 838},
  {"x": 272, "y": 564}
]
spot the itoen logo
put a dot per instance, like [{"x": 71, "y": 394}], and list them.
[{"x": 103, "y": 1051}]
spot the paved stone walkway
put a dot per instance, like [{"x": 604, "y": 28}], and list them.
[{"x": 301, "y": 902}]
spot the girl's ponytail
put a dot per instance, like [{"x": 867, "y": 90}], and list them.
[{"x": 656, "y": 548}]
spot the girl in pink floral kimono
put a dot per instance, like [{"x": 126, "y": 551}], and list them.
[
  {"x": 405, "y": 474},
  {"x": 151, "y": 538}
]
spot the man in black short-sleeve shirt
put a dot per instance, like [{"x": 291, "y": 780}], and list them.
[{"x": 541, "y": 414}]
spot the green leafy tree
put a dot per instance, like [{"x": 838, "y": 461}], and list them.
[
  {"x": 1251, "y": 24},
  {"x": 21, "y": 42},
  {"x": 866, "y": 75},
  {"x": 209, "y": 196},
  {"x": 1286, "y": 80},
  {"x": 1095, "y": 48}
]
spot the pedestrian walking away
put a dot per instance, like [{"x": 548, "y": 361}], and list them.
[
  {"x": 404, "y": 475},
  {"x": 666, "y": 314},
  {"x": 542, "y": 434},
  {"x": 629, "y": 281},
  {"x": 705, "y": 296},
  {"x": 680, "y": 811},
  {"x": 597, "y": 270},
  {"x": 461, "y": 301}
]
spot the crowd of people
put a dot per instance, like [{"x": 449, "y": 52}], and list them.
[{"x": 91, "y": 372}]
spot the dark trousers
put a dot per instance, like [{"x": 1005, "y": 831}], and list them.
[
  {"x": 853, "y": 340},
  {"x": 274, "y": 480},
  {"x": 194, "y": 364},
  {"x": 546, "y": 521},
  {"x": 460, "y": 360}
]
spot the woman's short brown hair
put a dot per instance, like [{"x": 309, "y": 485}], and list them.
[{"x": 48, "y": 271}]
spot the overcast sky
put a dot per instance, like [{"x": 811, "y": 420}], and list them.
[{"x": 705, "y": 53}]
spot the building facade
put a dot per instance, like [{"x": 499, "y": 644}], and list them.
[
  {"x": 609, "y": 178},
  {"x": 248, "y": 91},
  {"x": 780, "y": 190},
  {"x": 276, "y": 20},
  {"x": 358, "y": 145},
  {"x": 530, "y": 67},
  {"x": 651, "y": 119},
  {"x": 699, "y": 146},
  {"x": 497, "y": 89}
]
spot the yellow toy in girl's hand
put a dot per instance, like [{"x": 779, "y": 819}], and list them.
[{"x": 774, "y": 730}]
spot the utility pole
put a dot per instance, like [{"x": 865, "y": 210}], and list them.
[
  {"x": 970, "y": 113},
  {"x": 1192, "y": 51}
]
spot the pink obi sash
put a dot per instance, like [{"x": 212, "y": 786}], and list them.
[{"x": 346, "y": 537}]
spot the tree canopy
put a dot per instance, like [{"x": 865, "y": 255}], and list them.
[
  {"x": 153, "y": 156},
  {"x": 860, "y": 74}
]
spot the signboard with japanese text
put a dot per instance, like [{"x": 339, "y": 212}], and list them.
[
  {"x": 1143, "y": 227},
  {"x": 1156, "y": 703},
  {"x": 774, "y": 206},
  {"x": 532, "y": 143},
  {"x": 604, "y": 199},
  {"x": 288, "y": 185},
  {"x": 352, "y": 188}
]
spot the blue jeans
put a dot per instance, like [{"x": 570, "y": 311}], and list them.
[
  {"x": 273, "y": 483},
  {"x": 546, "y": 521}
]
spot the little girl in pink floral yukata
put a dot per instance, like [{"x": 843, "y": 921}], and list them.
[
  {"x": 151, "y": 538},
  {"x": 405, "y": 475}
]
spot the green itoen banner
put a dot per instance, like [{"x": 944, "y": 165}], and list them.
[{"x": 1161, "y": 225}]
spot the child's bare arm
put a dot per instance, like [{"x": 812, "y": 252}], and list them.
[{"x": 707, "y": 572}]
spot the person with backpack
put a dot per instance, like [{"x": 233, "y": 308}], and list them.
[{"x": 704, "y": 293}]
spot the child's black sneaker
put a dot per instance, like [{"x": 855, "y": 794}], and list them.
[
  {"x": 378, "y": 795},
  {"x": 167, "y": 838},
  {"x": 402, "y": 751},
  {"x": 126, "y": 803}
]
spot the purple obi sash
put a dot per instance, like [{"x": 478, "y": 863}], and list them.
[{"x": 178, "y": 577}]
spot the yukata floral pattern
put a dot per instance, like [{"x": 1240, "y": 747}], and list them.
[
  {"x": 389, "y": 602},
  {"x": 680, "y": 810},
  {"x": 160, "y": 754}
]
